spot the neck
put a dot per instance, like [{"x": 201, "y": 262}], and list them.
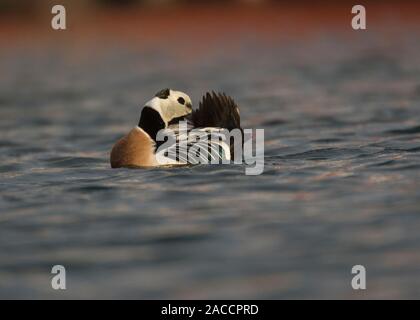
[{"x": 151, "y": 122}]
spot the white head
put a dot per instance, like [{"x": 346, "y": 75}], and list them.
[
  {"x": 166, "y": 106},
  {"x": 170, "y": 104}
]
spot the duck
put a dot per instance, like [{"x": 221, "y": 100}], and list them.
[{"x": 165, "y": 114}]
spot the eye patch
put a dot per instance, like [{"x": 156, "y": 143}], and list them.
[{"x": 181, "y": 100}]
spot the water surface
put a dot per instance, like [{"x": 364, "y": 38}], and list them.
[{"x": 341, "y": 184}]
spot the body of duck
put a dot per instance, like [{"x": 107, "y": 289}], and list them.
[{"x": 170, "y": 114}]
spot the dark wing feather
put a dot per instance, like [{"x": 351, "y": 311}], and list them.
[{"x": 218, "y": 111}]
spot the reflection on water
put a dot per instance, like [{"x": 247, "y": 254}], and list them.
[{"x": 340, "y": 187}]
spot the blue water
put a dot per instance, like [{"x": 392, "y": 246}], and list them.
[{"x": 341, "y": 183}]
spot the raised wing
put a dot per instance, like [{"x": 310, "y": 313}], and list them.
[{"x": 219, "y": 111}]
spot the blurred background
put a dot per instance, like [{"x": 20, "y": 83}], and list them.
[{"x": 340, "y": 109}]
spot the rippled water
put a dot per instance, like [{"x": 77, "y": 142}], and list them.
[{"x": 341, "y": 184}]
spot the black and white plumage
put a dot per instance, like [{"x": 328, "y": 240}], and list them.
[{"x": 182, "y": 136}]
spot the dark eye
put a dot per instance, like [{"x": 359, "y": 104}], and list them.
[{"x": 181, "y": 100}]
